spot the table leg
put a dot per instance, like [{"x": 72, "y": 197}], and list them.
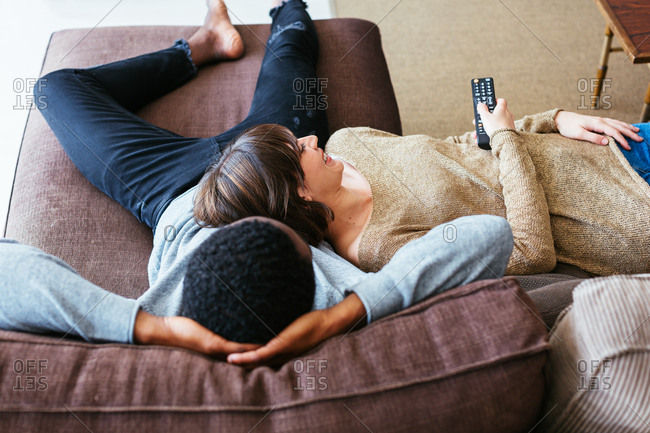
[
  {"x": 645, "y": 114},
  {"x": 602, "y": 69}
]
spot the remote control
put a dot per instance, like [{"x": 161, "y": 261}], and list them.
[{"x": 483, "y": 91}]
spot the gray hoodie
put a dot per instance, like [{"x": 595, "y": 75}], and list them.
[{"x": 41, "y": 293}]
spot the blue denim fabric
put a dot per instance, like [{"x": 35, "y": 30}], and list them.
[
  {"x": 639, "y": 156},
  {"x": 144, "y": 167}
]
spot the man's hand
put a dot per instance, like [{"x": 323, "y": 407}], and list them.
[
  {"x": 184, "y": 332},
  {"x": 305, "y": 333},
  {"x": 498, "y": 119},
  {"x": 581, "y": 127}
]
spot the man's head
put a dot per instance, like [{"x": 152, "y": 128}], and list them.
[{"x": 249, "y": 280}]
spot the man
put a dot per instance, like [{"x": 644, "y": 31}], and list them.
[
  {"x": 249, "y": 280},
  {"x": 153, "y": 173},
  {"x": 41, "y": 293}
]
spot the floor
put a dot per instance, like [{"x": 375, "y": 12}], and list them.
[
  {"x": 542, "y": 54},
  {"x": 25, "y": 28}
]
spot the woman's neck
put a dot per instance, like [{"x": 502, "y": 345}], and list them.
[{"x": 352, "y": 207}]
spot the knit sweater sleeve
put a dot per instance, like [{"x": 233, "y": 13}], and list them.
[
  {"x": 541, "y": 123},
  {"x": 526, "y": 205}
]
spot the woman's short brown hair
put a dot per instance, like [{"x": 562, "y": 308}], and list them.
[{"x": 259, "y": 173}]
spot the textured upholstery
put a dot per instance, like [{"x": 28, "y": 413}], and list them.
[
  {"x": 599, "y": 374},
  {"x": 448, "y": 364},
  {"x": 551, "y": 293}
]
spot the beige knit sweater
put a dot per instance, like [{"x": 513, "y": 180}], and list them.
[{"x": 566, "y": 200}]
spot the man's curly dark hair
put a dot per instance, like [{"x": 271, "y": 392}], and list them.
[{"x": 247, "y": 282}]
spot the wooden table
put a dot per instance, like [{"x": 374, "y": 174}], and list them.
[{"x": 630, "y": 22}]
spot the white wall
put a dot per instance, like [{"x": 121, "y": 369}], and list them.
[{"x": 25, "y": 28}]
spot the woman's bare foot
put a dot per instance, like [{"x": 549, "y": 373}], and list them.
[{"x": 217, "y": 39}]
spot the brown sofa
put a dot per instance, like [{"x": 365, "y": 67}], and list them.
[{"x": 469, "y": 360}]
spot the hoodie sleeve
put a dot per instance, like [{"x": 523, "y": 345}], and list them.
[
  {"x": 464, "y": 250},
  {"x": 43, "y": 294}
]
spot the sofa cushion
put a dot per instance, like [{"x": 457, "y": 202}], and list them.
[
  {"x": 54, "y": 208},
  {"x": 551, "y": 293},
  {"x": 554, "y": 298},
  {"x": 599, "y": 373},
  {"x": 448, "y": 364}
]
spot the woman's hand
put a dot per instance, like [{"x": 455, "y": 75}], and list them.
[
  {"x": 498, "y": 119},
  {"x": 305, "y": 333},
  {"x": 581, "y": 127},
  {"x": 184, "y": 332}
]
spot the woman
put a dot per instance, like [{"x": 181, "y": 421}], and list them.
[
  {"x": 565, "y": 200},
  {"x": 150, "y": 171},
  {"x": 145, "y": 167}
]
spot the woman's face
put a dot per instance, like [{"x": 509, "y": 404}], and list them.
[{"x": 323, "y": 174}]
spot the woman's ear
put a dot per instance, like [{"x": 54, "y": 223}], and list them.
[{"x": 304, "y": 193}]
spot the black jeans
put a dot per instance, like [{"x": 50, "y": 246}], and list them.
[{"x": 145, "y": 167}]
